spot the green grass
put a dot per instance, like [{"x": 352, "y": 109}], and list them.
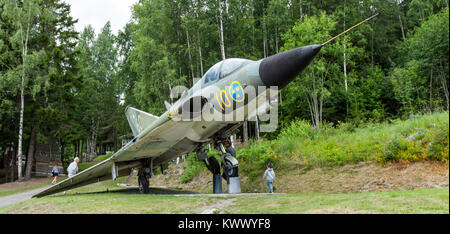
[
  {"x": 102, "y": 157},
  {"x": 418, "y": 201},
  {"x": 111, "y": 203},
  {"x": 85, "y": 165}
]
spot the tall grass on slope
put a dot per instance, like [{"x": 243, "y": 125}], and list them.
[{"x": 420, "y": 138}]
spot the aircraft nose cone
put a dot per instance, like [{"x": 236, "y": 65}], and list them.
[{"x": 282, "y": 68}]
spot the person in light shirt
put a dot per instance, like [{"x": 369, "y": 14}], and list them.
[
  {"x": 270, "y": 175},
  {"x": 73, "y": 170}
]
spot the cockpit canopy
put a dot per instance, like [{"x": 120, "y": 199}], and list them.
[{"x": 220, "y": 70}]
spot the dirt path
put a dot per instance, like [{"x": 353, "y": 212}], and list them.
[
  {"x": 219, "y": 206},
  {"x": 19, "y": 197}
]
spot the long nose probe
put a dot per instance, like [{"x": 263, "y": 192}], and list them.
[{"x": 346, "y": 31}]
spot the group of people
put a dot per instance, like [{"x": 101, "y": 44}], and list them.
[{"x": 72, "y": 170}]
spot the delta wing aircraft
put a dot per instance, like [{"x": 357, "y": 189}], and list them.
[{"x": 213, "y": 109}]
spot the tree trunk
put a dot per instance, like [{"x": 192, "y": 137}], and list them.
[
  {"x": 19, "y": 148},
  {"x": 310, "y": 110},
  {"x": 200, "y": 54},
  {"x": 12, "y": 165},
  {"x": 189, "y": 54},
  {"x": 92, "y": 142},
  {"x": 75, "y": 147},
  {"x": 87, "y": 149},
  {"x": 222, "y": 44},
  {"x": 301, "y": 10},
  {"x": 401, "y": 26},
  {"x": 372, "y": 39},
  {"x": 81, "y": 150},
  {"x": 62, "y": 151},
  {"x": 264, "y": 36},
  {"x": 6, "y": 164},
  {"x": 30, "y": 157},
  {"x": 345, "y": 65},
  {"x": 431, "y": 90},
  {"x": 276, "y": 39},
  {"x": 444, "y": 84},
  {"x": 115, "y": 141},
  {"x": 245, "y": 131},
  {"x": 78, "y": 144},
  {"x": 24, "y": 42},
  {"x": 257, "y": 128}
]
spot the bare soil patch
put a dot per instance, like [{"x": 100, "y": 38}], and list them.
[
  {"x": 365, "y": 177},
  {"x": 362, "y": 177}
]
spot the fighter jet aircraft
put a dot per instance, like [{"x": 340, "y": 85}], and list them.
[{"x": 190, "y": 123}]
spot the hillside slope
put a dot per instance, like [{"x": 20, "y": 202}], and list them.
[
  {"x": 362, "y": 177},
  {"x": 401, "y": 155}
]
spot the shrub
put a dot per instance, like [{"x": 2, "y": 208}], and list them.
[
  {"x": 345, "y": 144},
  {"x": 194, "y": 166},
  {"x": 350, "y": 144}
]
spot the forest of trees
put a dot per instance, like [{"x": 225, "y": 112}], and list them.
[{"x": 74, "y": 86}]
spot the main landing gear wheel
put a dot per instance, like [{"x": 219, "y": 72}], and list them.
[
  {"x": 143, "y": 179},
  {"x": 230, "y": 169},
  {"x": 214, "y": 165}
]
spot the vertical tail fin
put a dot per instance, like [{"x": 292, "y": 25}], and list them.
[{"x": 138, "y": 119}]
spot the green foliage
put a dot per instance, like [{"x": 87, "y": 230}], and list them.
[
  {"x": 257, "y": 156},
  {"x": 193, "y": 166},
  {"x": 422, "y": 82},
  {"x": 408, "y": 85},
  {"x": 102, "y": 157},
  {"x": 150, "y": 59},
  {"x": 437, "y": 139},
  {"x": 69, "y": 155},
  {"x": 346, "y": 144}
]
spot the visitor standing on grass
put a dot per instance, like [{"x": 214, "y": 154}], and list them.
[
  {"x": 73, "y": 169},
  {"x": 55, "y": 173},
  {"x": 270, "y": 175}
]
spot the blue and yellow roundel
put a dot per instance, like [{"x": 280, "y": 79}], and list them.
[{"x": 236, "y": 92}]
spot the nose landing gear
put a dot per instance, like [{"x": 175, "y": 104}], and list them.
[{"x": 231, "y": 173}]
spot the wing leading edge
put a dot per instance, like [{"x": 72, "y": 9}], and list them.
[{"x": 104, "y": 170}]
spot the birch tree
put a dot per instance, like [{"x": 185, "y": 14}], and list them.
[{"x": 22, "y": 15}]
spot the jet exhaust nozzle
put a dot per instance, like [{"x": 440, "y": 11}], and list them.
[{"x": 282, "y": 68}]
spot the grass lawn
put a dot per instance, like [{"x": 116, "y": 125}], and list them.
[
  {"x": 108, "y": 203},
  {"x": 417, "y": 201}
]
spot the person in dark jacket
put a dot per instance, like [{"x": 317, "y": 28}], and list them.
[{"x": 55, "y": 173}]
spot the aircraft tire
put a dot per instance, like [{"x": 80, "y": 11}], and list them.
[
  {"x": 143, "y": 184},
  {"x": 231, "y": 171},
  {"x": 214, "y": 165}
]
